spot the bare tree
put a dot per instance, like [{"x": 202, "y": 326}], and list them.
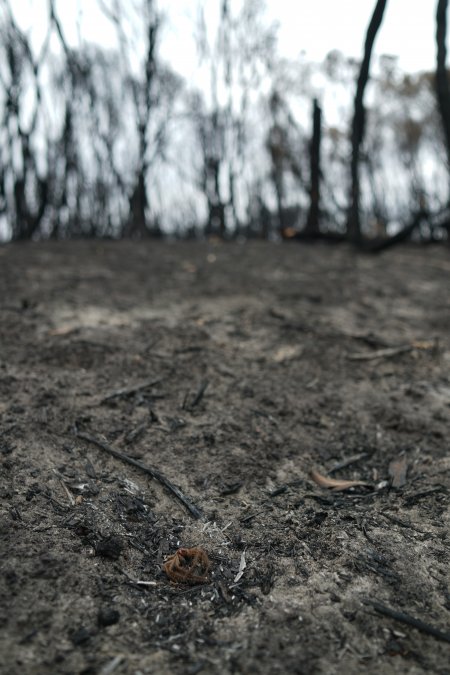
[
  {"x": 23, "y": 183},
  {"x": 150, "y": 89},
  {"x": 358, "y": 124},
  {"x": 235, "y": 52},
  {"x": 143, "y": 100},
  {"x": 89, "y": 146},
  {"x": 312, "y": 224},
  {"x": 285, "y": 146},
  {"x": 442, "y": 83}
]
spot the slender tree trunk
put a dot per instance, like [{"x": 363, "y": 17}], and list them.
[
  {"x": 279, "y": 191},
  {"x": 359, "y": 118},
  {"x": 442, "y": 83},
  {"x": 139, "y": 198},
  {"x": 138, "y": 203},
  {"x": 312, "y": 223}
]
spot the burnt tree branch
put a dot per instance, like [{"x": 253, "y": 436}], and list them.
[
  {"x": 442, "y": 84},
  {"x": 312, "y": 223},
  {"x": 359, "y": 119}
]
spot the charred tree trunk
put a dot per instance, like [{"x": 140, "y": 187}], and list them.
[
  {"x": 137, "y": 222},
  {"x": 359, "y": 118},
  {"x": 312, "y": 223},
  {"x": 215, "y": 224},
  {"x": 279, "y": 191},
  {"x": 139, "y": 200},
  {"x": 442, "y": 83},
  {"x": 27, "y": 222}
]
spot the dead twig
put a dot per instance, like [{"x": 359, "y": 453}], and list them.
[
  {"x": 154, "y": 473},
  {"x": 133, "y": 434},
  {"x": 278, "y": 491},
  {"x": 138, "y": 582},
  {"x": 412, "y": 499},
  {"x": 381, "y": 353},
  {"x": 389, "y": 352},
  {"x": 369, "y": 339},
  {"x": 347, "y": 462},
  {"x": 401, "y": 523},
  {"x": 246, "y": 519},
  {"x": 198, "y": 396},
  {"x": 409, "y": 620},
  {"x": 129, "y": 391},
  {"x": 70, "y": 496}
]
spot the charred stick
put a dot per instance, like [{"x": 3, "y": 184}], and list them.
[
  {"x": 199, "y": 395},
  {"x": 347, "y": 462},
  {"x": 410, "y": 621},
  {"x": 154, "y": 473},
  {"x": 129, "y": 391}
]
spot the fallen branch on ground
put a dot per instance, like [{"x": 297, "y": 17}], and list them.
[
  {"x": 154, "y": 473},
  {"x": 381, "y": 353},
  {"x": 389, "y": 352},
  {"x": 129, "y": 391},
  {"x": 410, "y": 621}
]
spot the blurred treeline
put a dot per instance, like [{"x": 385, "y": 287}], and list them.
[{"x": 100, "y": 142}]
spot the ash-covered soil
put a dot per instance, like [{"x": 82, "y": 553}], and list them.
[{"x": 234, "y": 370}]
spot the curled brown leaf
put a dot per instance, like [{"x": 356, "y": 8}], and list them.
[{"x": 335, "y": 484}]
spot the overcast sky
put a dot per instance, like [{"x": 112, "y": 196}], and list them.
[
  {"x": 313, "y": 26},
  {"x": 320, "y": 25}
]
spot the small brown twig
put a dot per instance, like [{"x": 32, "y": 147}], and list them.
[{"x": 154, "y": 473}]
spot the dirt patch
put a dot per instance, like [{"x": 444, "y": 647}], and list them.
[{"x": 234, "y": 371}]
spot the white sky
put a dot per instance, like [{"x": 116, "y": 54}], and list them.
[
  {"x": 317, "y": 26},
  {"x": 313, "y": 26}
]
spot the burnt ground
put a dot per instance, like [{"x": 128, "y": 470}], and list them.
[{"x": 119, "y": 341}]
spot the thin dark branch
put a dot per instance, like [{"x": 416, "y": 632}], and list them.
[
  {"x": 410, "y": 621},
  {"x": 312, "y": 223},
  {"x": 348, "y": 462},
  {"x": 442, "y": 85},
  {"x": 128, "y": 391},
  {"x": 199, "y": 395},
  {"x": 54, "y": 20},
  {"x": 154, "y": 473},
  {"x": 359, "y": 120}
]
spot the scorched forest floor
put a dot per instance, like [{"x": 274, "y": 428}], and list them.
[{"x": 234, "y": 371}]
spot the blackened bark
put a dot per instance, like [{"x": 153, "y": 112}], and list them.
[
  {"x": 312, "y": 223},
  {"x": 138, "y": 201},
  {"x": 27, "y": 222},
  {"x": 359, "y": 118},
  {"x": 215, "y": 224},
  {"x": 442, "y": 83},
  {"x": 137, "y": 222}
]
